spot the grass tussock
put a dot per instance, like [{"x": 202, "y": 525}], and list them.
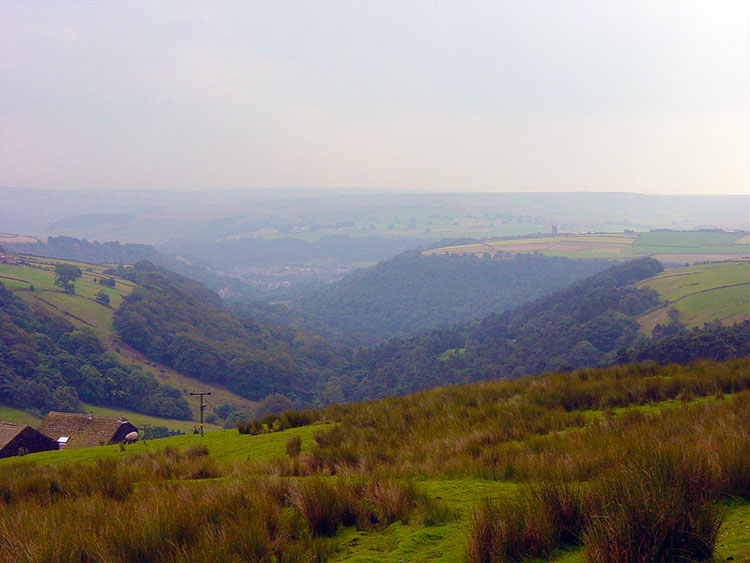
[
  {"x": 148, "y": 508},
  {"x": 473, "y": 430},
  {"x": 654, "y": 508},
  {"x": 539, "y": 519}
]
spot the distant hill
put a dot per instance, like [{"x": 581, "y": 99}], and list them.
[
  {"x": 115, "y": 252},
  {"x": 32, "y": 279},
  {"x": 413, "y": 293},
  {"x": 181, "y": 323},
  {"x": 581, "y": 325}
]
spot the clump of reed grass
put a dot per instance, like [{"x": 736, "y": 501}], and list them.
[
  {"x": 507, "y": 531},
  {"x": 656, "y": 507}
]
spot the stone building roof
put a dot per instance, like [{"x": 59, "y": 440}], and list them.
[
  {"x": 84, "y": 430},
  {"x": 8, "y": 431},
  {"x": 14, "y": 437}
]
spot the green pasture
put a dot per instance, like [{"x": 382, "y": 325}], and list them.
[
  {"x": 18, "y": 416},
  {"x": 224, "y": 445},
  {"x": 687, "y": 242},
  {"x": 616, "y": 245},
  {"x": 702, "y": 293}
]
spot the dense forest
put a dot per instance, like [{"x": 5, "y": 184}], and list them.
[
  {"x": 582, "y": 325},
  {"x": 46, "y": 363},
  {"x": 413, "y": 293},
  {"x": 680, "y": 345},
  {"x": 181, "y": 323}
]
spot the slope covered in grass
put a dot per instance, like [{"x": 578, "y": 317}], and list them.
[
  {"x": 415, "y": 478},
  {"x": 700, "y": 294}
]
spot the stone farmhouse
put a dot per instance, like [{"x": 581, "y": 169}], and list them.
[
  {"x": 74, "y": 430},
  {"x": 19, "y": 438}
]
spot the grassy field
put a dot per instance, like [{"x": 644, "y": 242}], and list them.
[
  {"x": 436, "y": 443},
  {"x": 668, "y": 246},
  {"x": 701, "y": 293},
  {"x": 82, "y": 310},
  {"x": 17, "y": 416},
  {"x": 223, "y": 445},
  {"x": 689, "y": 242}
]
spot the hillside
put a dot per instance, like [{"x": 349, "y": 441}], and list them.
[
  {"x": 439, "y": 475},
  {"x": 700, "y": 294},
  {"x": 669, "y": 247},
  {"x": 47, "y": 364},
  {"x": 413, "y": 293},
  {"x": 581, "y": 325},
  {"x": 32, "y": 279},
  {"x": 182, "y": 324},
  {"x": 115, "y": 252}
]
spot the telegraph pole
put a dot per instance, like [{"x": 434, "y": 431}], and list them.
[{"x": 202, "y": 394}]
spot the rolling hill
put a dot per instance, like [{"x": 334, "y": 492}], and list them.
[
  {"x": 32, "y": 279},
  {"x": 413, "y": 293}
]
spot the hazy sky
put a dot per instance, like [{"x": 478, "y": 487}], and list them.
[{"x": 468, "y": 96}]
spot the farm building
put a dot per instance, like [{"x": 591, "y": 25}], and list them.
[
  {"x": 73, "y": 430},
  {"x": 15, "y": 437}
]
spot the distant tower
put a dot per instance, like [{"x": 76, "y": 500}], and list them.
[{"x": 554, "y": 229}]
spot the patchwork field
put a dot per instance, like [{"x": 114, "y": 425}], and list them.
[
  {"x": 701, "y": 293},
  {"x": 671, "y": 247}
]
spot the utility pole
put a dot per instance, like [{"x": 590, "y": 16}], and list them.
[{"x": 202, "y": 394}]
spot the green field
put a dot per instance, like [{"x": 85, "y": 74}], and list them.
[
  {"x": 702, "y": 293},
  {"x": 687, "y": 242},
  {"x": 17, "y": 416},
  {"x": 668, "y": 246},
  {"x": 224, "y": 445}
]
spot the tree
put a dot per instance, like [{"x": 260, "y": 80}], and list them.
[
  {"x": 66, "y": 276},
  {"x": 102, "y": 298}
]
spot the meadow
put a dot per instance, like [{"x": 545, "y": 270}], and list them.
[
  {"x": 701, "y": 293},
  {"x": 639, "y": 457}
]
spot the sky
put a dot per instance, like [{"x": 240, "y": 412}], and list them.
[{"x": 648, "y": 97}]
